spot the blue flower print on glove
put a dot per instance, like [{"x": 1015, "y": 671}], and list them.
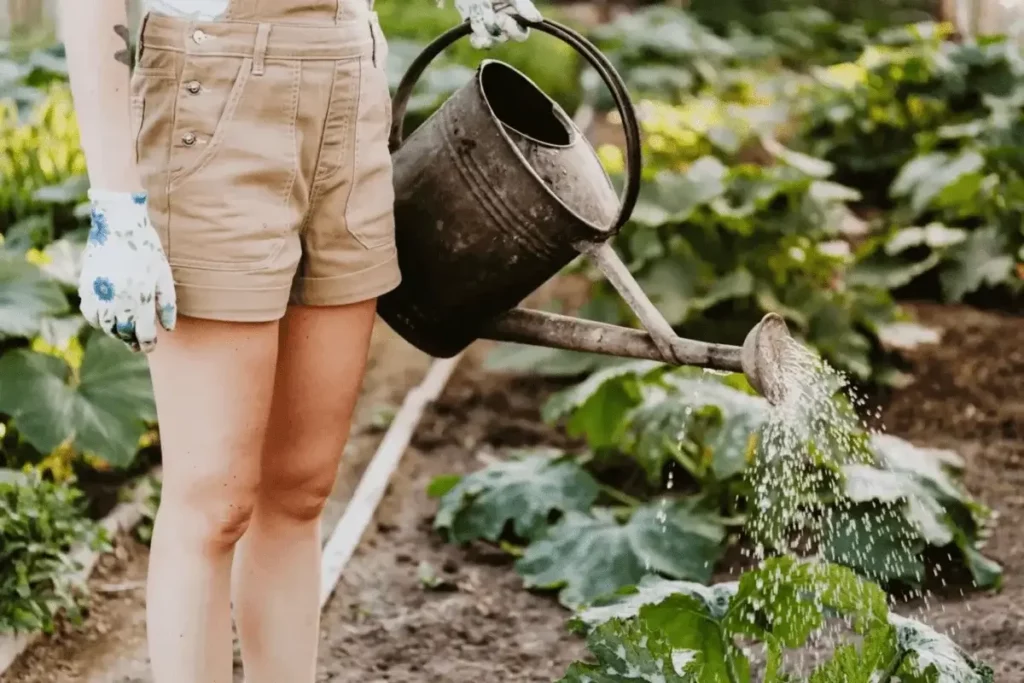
[{"x": 125, "y": 285}]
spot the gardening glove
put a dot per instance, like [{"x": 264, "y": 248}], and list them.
[
  {"x": 492, "y": 21},
  {"x": 126, "y": 285}
]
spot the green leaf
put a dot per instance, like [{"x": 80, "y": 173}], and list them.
[
  {"x": 864, "y": 483},
  {"x": 26, "y": 297},
  {"x": 875, "y": 540},
  {"x": 717, "y": 420},
  {"x": 653, "y": 590},
  {"x": 589, "y": 556},
  {"x": 442, "y": 484},
  {"x": 785, "y": 601},
  {"x": 597, "y": 406},
  {"x": 629, "y": 652},
  {"x": 104, "y": 412},
  {"x": 808, "y": 165},
  {"x": 930, "y": 657},
  {"x": 691, "y": 622},
  {"x": 984, "y": 259},
  {"x": 63, "y": 262},
  {"x": 933, "y": 235},
  {"x": 985, "y": 572},
  {"x": 58, "y": 332},
  {"x": 865, "y": 664},
  {"x": 523, "y": 491},
  {"x": 925, "y": 177},
  {"x": 72, "y": 189},
  {"x": 672, "y": 197},
  {"x": 34, "y": 231}
]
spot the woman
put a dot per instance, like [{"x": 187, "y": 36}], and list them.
[{"x": 241, "y": 197}]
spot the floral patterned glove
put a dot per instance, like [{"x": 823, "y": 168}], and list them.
[
  {"x": 492, "y": 21},
  {"x": 126, "y": 283}
]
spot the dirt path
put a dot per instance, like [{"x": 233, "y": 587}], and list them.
[
  {"x": 111, "y": 648},
  {"x": 383, "y": 625},
  {"x": 969, "y": 397}
]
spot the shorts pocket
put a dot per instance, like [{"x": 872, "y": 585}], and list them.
[
  {"x": 234, "y": 162},
  {"x": 370, "y": 210}
]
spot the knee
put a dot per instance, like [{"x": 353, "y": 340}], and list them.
[
  {"x": 297, "y": 496},
  {"x": 212, "y": 515}
]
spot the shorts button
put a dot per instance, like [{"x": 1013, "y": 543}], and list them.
[
  {"x": 194, "y": 87},
  {"x": 189, "y": 139},
  {"x": 198, "y": 36}
]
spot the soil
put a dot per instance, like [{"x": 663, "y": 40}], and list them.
[
  {"x": 969, "y": 397},
  {"x": 385, "y": 624}
]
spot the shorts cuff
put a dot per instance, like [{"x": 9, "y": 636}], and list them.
[
  {"x": 232, "y": 305},
  {"x": 351, "y": 288}
]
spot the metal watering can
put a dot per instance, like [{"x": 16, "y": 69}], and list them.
[{"x": 499, "y": 190}]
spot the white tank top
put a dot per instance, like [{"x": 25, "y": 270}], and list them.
[{"x": 203, "y": 10}]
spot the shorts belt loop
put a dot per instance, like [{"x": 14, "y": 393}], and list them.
[{"x": 259, "y": 51}]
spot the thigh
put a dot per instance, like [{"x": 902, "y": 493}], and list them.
[
  {"x": 320, "y": 369},
  {"x": 214, "y": 383}
]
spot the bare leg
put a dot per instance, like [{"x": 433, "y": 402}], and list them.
[
  {"x": 277, "y": 573},
  {"x": 213, "y": 383}
]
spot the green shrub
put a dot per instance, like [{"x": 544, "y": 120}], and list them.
[
  {"x": 551, "y": 64},
  {"x": 40, "y": 523},
  {"x": 61, "y": 389}
]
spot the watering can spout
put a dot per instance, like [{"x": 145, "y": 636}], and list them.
[{"x": 759, "y": 358}]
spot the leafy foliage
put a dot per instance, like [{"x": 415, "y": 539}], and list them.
[
  {"x": 929, "y": 129},
  {"x": 553, "y": 65},
  {"x": 40, "y": 522},
  {"x": 903, "y": 503},
  {"x": 673, "y": 631},
  {"x": 896, "y": 499},
  {"x": 102, "y": 407}
]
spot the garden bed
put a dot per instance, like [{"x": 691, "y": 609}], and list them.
[
  {"x": 384, "y": 624},
  {"x": 410, "y": 607}
]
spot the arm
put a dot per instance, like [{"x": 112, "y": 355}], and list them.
[
  {"x": 96, "y": 40},
  {"x": 125, "y": 286}
]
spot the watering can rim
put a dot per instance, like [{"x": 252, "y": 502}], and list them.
[
  {"x": 576, "y": 138},
  {"x": 612, "y": 80},
  {"x": 576, "y": 135}
]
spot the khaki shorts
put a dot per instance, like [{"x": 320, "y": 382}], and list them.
[{"x": 263, "y": 148}]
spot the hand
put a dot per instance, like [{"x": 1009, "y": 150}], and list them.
[
  {"x": 492, "y": 21},
  {"x": 126, "y": 283}
]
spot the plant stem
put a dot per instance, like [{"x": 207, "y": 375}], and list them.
[
  {"x": 891, "y": 670},
  {"x": 686, "y": 463},
  {"x": 620, "y": 497}
]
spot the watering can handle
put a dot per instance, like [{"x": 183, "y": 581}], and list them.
[{"x": 587, "y": 49}]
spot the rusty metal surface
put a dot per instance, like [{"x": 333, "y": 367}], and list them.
[{"x": 477, "y": 227}]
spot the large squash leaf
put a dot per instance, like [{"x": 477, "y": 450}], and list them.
[
  {"x": 908, "y": 500},
  {"x": 716, "y": 421},
  {"x": 523, "y": 491},
  {"x": 587, "y": 556},
  {"x": 632, "y": 651},
  {"x": 102, "y": 409},
  {"x": 597, "y": 407},
  {"x": 679, "y": 632}
]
